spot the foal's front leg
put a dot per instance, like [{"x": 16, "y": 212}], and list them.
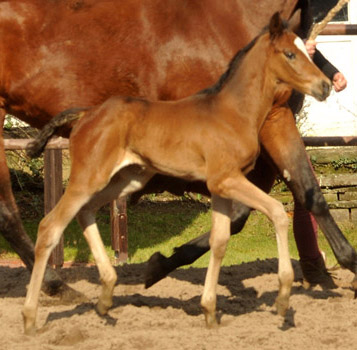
[
  {"x": 242, "y": 190},
  {"x": 108, "y": 276},
  {"x": 220, "y": 233}
]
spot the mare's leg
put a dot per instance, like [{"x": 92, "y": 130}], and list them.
[
  {"x": 49, "y": 232},
  {"x": 291, "y": 160},
  {"x": 11, "y": 225},
  {"x": 311, "y": 261}
]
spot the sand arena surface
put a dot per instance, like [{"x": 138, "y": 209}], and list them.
[{"x": 168, "y": 315}]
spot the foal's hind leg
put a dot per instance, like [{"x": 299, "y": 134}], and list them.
[{"x": 49, "y": 232}]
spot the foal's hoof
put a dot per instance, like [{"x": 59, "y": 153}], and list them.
[
  {"x": 29, "y": 325},
  {"x": 31, "y": 331},
  {"x": 101, "y": 308},
  {"x": 211, "y": 319},
  {"x": 282, "y": 305}
]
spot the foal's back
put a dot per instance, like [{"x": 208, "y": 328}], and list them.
[{"x": 172, "y": 137}]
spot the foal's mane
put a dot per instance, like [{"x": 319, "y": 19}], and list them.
[{"x": 235, "y": 64}]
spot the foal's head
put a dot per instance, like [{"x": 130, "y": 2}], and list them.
[{"x": 290, "y": 63}]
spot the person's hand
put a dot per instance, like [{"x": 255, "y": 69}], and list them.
[
  {"x": 339, "y": 82},
  {"x": 310, "y": 47}
]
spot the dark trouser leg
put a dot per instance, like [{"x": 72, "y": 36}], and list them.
[
  {"x": 305, "y": 233},
  {"x": 311, "y": 261}
]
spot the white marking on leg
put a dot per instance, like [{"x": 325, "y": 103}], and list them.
[
  {"x": 107, "y": 273},
  {"x": 220, "y": 233}
]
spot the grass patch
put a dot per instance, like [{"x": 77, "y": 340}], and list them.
[
  {"x": 161, "y": 226},
  {"x": 156, "y": 225}
]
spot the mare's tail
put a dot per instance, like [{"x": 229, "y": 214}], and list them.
[{"x": 36, "y": 147}]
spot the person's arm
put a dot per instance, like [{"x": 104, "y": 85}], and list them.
[
  {"x": 338, "y": 79},
  {"x": 327, "y": 67}
]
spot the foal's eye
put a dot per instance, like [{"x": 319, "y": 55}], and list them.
[{"x": 289, "y": 55}]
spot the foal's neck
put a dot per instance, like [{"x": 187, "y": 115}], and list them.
[{"x": 251, "y": 88}]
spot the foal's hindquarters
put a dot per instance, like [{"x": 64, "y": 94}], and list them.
[
  {"x": 242, "y": 190},
  {"x": 85, "y": 194}
]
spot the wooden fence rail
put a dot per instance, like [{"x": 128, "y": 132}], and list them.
[
  {"x": 340, "y": 29},
  {"x": 119, "y": 234},
  {"x": 314, "y": 141}
]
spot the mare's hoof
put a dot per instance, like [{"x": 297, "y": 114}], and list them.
[
  {"x": 316, "y": 273},
  {"x": 69, "y": 295},
  {"x": 155, "y": 270},
  {"x": 53, "y": 287},
  {"x": 52, "y": 282}
]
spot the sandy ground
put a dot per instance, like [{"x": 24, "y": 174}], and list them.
[{"x": 168, "y": 315}]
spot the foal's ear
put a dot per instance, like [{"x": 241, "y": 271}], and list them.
[{"x": 276, "y": 25}]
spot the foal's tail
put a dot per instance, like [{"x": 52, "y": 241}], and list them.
[{"x": 36, "y": 147}]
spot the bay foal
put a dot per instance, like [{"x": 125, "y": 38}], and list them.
[{"x": 212, "y": 136}]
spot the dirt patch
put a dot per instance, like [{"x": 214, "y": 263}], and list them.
[{"x": 168, "y": 315}]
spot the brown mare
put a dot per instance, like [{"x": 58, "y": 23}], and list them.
[
  {"x": 129, "y": 140},
  {"x": 59, "y": 54}
]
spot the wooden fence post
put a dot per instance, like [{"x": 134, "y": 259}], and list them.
[
  {"x": 53, "y": 192},
  {"x": 119, "y": 230}
]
